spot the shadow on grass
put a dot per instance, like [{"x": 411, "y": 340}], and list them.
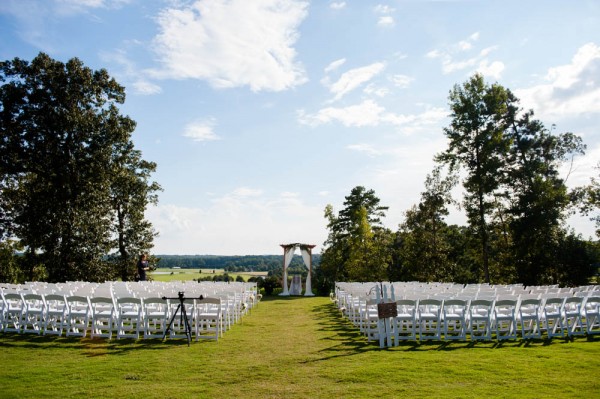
[
  {"x": 91, "y": 347},
  {"x": 346, "y": 339}
]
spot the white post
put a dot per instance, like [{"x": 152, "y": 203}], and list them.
[{"x": 380, "y": 323}]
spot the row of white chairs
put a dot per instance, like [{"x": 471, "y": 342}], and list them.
[
  {"x": 102, "y": 312},
  {"x": 103, "y": 316},
  {"x": 462, "y": 317}
]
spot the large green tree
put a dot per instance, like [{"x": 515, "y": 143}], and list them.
[
  {"x": 425, "y": 248},
  {"x": 480, "y": 114},
  {"x": 131, "y": 191},
  {"x": 589, "y": 199},
  {"x": 537, "y": 195},
  {"x": 65, "y": 154},
  {"x": 515, "y": 199},
  {"x": 358, "y": 247}
]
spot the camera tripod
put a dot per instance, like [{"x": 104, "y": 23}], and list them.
[{"x": 183, "y": 318}]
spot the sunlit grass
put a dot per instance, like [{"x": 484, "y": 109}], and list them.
[
  {"x": 167, "y": 274},
  {"x": 295, "y": 347}
]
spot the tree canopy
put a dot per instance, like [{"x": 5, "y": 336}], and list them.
[
  {"x": 74, "y": 188},
  {"x": 515, "y": 200}
]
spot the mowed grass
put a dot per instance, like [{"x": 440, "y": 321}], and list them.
[
  {"x": 166, "y": 274},
  {"x": 295, "y": 347}
]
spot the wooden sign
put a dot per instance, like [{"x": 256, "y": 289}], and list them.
[{"x": 387, "y": 309}]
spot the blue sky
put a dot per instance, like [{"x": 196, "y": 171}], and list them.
[{"x": 259, "y": 113}]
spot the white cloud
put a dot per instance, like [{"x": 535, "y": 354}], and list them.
[
  {"x": 338, "y": 5},
  {"x": 369, "y": 113},
  {"x": 354, "y": 78},
  {"x": 384, "y": 9},
  {"x": 201, "y": 130},
  {"x": 571, "y": 90},
  {"x": 465, "y": 45},
  {"x": 232, "y": 43},
  {"x": 493, "y": 70},
  {"x": 386, "y": 20},
  {"x": 82, "y": 3},
  {"x": 372, "y": 89},
  {"x": 366, "y": 148},
  {"x": 127, "y": 71},
  {"x": 146, "y": 88},
  {"x": 71, "y": 7},
  {"x": 335, "y": 65},
  {"x": 402, "y": 81},
  {"x": 477, "y": 63}
]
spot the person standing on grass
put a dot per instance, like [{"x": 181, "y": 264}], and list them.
[{"x": 142, "y": 266}]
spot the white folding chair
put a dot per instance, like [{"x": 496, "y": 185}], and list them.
[
  {"x": 33, "y": 315},
  {"x": 228, "y": 309},
  {"x": 480, "y": 319},
  {"x": 209, "y": 319},
  {"x": 103, "y": 316},
  {"x": 405, "y": 326},
  {"x": 2, "y": 310},
  {"x": 430, "y": 319},
  {"x": 553, "y": 318},
  {"x": 78, "y": 315},
  {"x": 592, "y": 315},
  {"x": 14, "y": 307},
  {"x": 505, "y": 312},
  {"x": 369, "y": 319},
  {"x": 56, "y": 314},
  {"x": 529, "y": 318},
  {"x": 455, "y": 319},
  {"x": 129, "y": 317},
  {"x": 572, "y": 316},
  {"x": 156, "y": 317}
]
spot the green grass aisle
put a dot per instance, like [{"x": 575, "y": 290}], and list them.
[{"x": 294, "y": 348}]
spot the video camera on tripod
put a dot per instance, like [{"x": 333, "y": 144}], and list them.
[{"x": 183, "y": 318}]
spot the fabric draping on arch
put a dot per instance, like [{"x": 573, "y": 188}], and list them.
[
  {"x": 306, "y": 257},
  {"x": 287, "y": 259},
  {"x": 288, "y": 255}
]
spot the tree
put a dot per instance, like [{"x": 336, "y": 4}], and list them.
[
  {"x": 538, "y": 197},
  {"x": 425, "y": 249},
  {"x": 358, "y": 247},
  {"x": 480, "y": 115},
  {"x": 515, "y": 199},
  {"x": 130, "y": 194},
  {"x": 589, "y": 199},
  {"x": 64, "y": 147},
  {"x": 9, "y": 262}
]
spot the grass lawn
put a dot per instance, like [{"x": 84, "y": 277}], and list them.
[
  {"x": 295, "y": 347},
  {"x": 167, "y": 274}
]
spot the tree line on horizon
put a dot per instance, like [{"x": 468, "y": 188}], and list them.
[{"x": 74, "y": 190}]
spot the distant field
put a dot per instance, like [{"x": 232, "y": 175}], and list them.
[{"x": 166, "y": 274}]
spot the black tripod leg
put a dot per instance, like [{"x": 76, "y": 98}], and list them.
[
  {"x": 188, "y": 328},
  {"x": 171, "y": 322}
]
